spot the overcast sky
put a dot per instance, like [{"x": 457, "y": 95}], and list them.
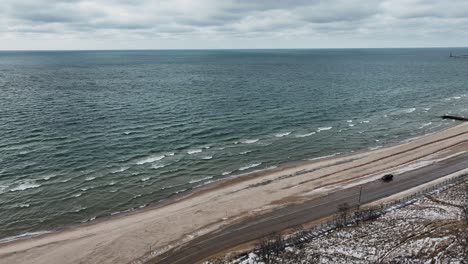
[{"x": 206, "y": 24}]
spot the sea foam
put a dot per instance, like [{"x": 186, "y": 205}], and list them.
[
  {"x": 253, "y": 165},
  {"x": 250, "y": 141},
  {"x": 24, "y": 186},
  {"x": 305, "y": 135},
  {"x": 323, "y": 129},
  {"x": 150, "y": 159},
  {"x": 194, "y": 151},
  {"x": 282, "y": 134}
]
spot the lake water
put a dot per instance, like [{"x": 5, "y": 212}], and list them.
[{"x": 87, "y": 134}]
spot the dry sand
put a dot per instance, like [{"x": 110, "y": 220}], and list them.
[{"x": 138, "y": 236}]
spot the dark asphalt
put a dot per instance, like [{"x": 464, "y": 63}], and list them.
[{"x": 295, "y": 215}]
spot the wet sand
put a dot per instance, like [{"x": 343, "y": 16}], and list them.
[{"x": 143, "y": 234}]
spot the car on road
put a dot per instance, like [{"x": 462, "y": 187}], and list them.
[{"x": 387, "y": 177}]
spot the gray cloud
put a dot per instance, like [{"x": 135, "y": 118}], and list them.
[{"x": 229, "y": 22}]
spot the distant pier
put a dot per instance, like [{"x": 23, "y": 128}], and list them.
[
  {"x": 458, "y": 56},
  {"x": 459, "y": 118}
]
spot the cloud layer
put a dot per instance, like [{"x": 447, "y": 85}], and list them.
[{"x": 231, "y": 23}]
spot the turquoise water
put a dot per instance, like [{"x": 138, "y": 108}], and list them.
[{"x": 87, "y": 134}]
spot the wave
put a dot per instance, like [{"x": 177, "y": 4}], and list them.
[
  {"x": 48, "y": 177},
  {"x": 27, "y": 234},
  {"x": 245, "y": 152},
  {"x": 249, "y": 141},
  {"x": 77, "y": 195},
  {"x": 283, "y": 134},
  {"x": 194, "y": 151},
  {"x": 324, "y": 157},
  {"x": 78, "y": 209},
  {"x": 199, "y": 180},
  {"x": 90, "y": 178},
  {"x": 3, "y": 188},
  {"x": 365, "y": 121},
  {"x": 349, "y": 121},
  {"x": 409, "y": 110},
  {"x": 323, "y": 129},
  {"x": 150, "y": 159},
  {"x": 226, "y": 173},
  {"x": 207, "y": 157},
  {"x": 351, "y": 125},
  {"x": 24, "y": 186},
  {"x": 145, "y": 179},
  {"x": 158, "y": 166},
  {"x": 425, "y": 125},
  {"x": 305, "y": 135},
  {"x": 120, "y": 170},
  {"x": 253, "y": 165}
]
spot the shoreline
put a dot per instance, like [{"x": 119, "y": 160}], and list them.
[
  {"x": 208, "y": 186},
  {"x": 295, "y": 169}
]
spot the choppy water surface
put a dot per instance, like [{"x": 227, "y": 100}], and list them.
[{"x": 86, "y": 134}]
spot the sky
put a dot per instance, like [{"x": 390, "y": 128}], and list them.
[{"x": 231, "y": 24}]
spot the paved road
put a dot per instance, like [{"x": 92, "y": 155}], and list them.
[{"x": 294, "y": 215}]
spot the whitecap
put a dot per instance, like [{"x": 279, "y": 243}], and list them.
[
  {"x": 250, "y": 166},
  {"x": 305, "y": 135},
  {"x": 23, "y": 205},
  {"x": 145, "y": 179},
  {"x": 24, "y": 186},
  {"x": 245, "y": 152},
  {"x": 66, "y": 180},
  {"x": 351, "y": 125},
  {"x": 3, "y": 188},
  {"x": 250, "y": 141},
  {"x": 150, "y": 159},
  {"x": 226, "y": 173},
  {"x": 425, "y": 125},
  {"x": 90, "y": 178},
  {"x": 171, "y": 154},
  {"x": 365, "y": 121},
  {"x": 323, "y": 129},
  {"x": 456, "y": 97},
  {"x": 157, "y": 166},
  {"x": 128, "y": 132},
  {"x": 193, "y": 151},
  {"x": 207, "y": 157},
  {"x": 199, "y": 180},
  {"x": 77, "y": 195},
  {"x": 111, "y": 183},
  {"x": 283, "y": 134},
  {"x": 48, "y": 177},
  {"x": 120, "y": 170},
  {"x": 409, "y": 110},
  {"x": 349, "y": 121},
  {"x": 78, "y": 209}
]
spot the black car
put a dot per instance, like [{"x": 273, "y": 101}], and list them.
[{"x": 387, "y": 178}]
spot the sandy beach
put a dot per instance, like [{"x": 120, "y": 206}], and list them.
[{"x": 142, "y": 235}]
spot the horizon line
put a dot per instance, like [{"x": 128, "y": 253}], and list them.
[{"x": 214, "y": 49}]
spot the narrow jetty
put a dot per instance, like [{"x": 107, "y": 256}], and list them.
[
  {"x": 459, "y": 118},
  {"x": 458, "y": 56}
]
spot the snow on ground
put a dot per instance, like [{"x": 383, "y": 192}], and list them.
[{"x": 427, "y": 231}]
